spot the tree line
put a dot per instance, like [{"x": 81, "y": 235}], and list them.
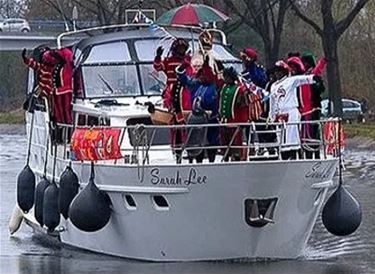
[{"x": 341, "y": 30}]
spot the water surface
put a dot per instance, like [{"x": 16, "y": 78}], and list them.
[{"x": 326, "y": 254}]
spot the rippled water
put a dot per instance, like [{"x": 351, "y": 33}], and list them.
[{"x": 27, "y": 253}]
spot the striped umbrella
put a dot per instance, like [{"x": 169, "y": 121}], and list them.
[{"x": 191, "y": 14}]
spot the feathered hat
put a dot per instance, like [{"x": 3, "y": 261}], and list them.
[{"x": 206, "y": 39}]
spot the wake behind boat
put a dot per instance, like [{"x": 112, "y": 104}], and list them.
[{"x": 114, "y": 182}]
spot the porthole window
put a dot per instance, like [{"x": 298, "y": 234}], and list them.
[
  {"x": 130, "y": 202},
  {"x": 160, "y": 202}
]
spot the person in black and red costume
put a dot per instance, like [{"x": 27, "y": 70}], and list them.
[
  {"x": 63, "y": 86},
  {"x": 43, "y": 69},
  {"x": 176, "y": 98},
  {"x": 55, "y": 72}
]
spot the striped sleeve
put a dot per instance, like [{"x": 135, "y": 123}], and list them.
[{"x": 30, "y": 62}]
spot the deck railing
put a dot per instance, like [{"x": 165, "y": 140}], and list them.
[{"x": 243, "y": 141}]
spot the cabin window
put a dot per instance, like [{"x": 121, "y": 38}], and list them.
[
  {"x": 146, "y": 48},
  {"x": 87, "y": 120},
  {"x": 108, "y": 53},
  {"x": 221, "y": 53},
  {"x": 161, "y": 135},
  {"x": 153, "y": 82},
  {"x": 110, "y": 80},
  {"x": 77, "y": 83}
]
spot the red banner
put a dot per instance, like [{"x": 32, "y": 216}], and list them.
[
  {"x": 333, "y": 137},
  {"x": 96, "y": 144}
]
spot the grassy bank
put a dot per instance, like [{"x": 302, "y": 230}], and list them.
[
  {"x": 12, "y": 117},
  {"x": 359, "y": 129}
]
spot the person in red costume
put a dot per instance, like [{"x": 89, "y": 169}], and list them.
[
  {"x": 55, "y": 73},
  {"x": 233, "y": 108},
  {"x": 317, "y": 89},
  {"x": 175, "y": 96},
  {"x": 63, "y": 86},
  {"x": 43, "y": 69}
]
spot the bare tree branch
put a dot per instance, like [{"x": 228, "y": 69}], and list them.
[
  {"x": 233, "y": 26},
  {"x": 307, "y": 20},
  {"x": 272, "y": 14},
  {"x": 343, "y": 24}
]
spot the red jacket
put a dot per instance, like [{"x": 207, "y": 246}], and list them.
[
  {"x": 44, "y": 75},
  {"x": 319, "y": 68},
  {"x": 305, "y": 101},
  {"x": 168, "y": 66},
  {"x": 304, "y": 91},
  {"x": 64, "y": 83}
]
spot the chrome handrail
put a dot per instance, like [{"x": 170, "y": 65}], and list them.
[
  {"x": 127, "y": 25},
  {"x": 107, "y": 27},
  {"x": 143, "y": 148},
  {"x": 208, "y": 125}
]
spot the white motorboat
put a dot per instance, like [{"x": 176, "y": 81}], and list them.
[{"x": 262, "y": 207}]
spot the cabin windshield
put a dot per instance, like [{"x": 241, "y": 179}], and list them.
[
  {"x": 109, "y": 70},
  {"x": 110, "y": 80},
  {"x": 146, "y": 49}
]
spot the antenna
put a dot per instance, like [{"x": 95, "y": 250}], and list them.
[
  {"x": 63, "y": 15},
  {"x": 75, "y": 17}
]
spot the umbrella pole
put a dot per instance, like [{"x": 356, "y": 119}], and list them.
[{"x": 192, "y": 40}]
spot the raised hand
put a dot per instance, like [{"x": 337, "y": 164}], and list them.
[{"x": 159, "y": 51}]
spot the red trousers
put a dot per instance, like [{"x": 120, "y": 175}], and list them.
[{"x": 62, "y": 108}]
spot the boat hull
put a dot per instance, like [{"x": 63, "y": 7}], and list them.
[
  {"x": 206, "y": 214},
  {"x": 206, "y": 217}
]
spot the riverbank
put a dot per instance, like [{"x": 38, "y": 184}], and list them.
[
  {"x": 12, "y": 117},
  {"x": 358, "y": 136}
]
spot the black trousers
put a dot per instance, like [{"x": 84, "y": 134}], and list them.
[{"x": 315, "y": 134}]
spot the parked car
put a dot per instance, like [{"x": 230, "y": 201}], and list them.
[
  {"x": 14, "y": 24},
  {"x": 351, "y": 110}
]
